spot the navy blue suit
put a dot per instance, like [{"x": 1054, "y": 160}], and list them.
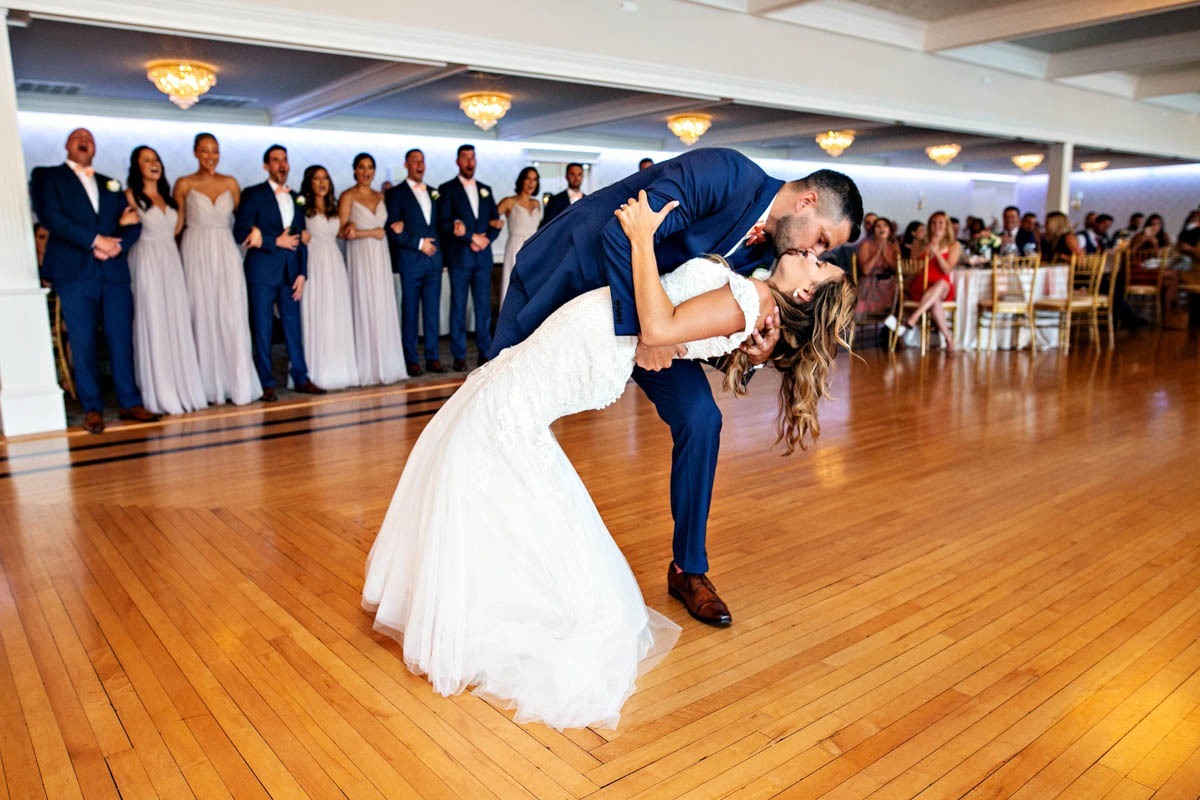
[
  {"x": 469, "y": 271},
  {"x": 557, "y": 204},
  {"x": 91, "y": 291},
  {"x": 270, "y": 273},
  {"x": 420, "y": 275},
  {"x": 722, "y": 194}
]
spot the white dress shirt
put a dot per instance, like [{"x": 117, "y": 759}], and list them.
[
  {"x": 421, "y": 192},
  {"x": 741, "y": 242},
  {"x": 89, "y": 184},
  {"x": 287, "y": 206},
  {"x": 472, "y": 194},
  {"x": 573, "y": 195}
]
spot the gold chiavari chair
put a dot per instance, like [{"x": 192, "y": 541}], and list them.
[
  {"x": 62, "y": 351},
  {"x": 1013, "y": 279},
  {"x": 1079, "y": 306},
  {"x": 1106, "y": 297},
  {"x": 1144, "y": 271},
  {"x": 865, "y": 318},
  {"x": 910, "y": 270}
]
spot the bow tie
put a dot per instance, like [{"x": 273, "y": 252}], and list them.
[
  {"x": 757, "y": 235},
  {"x": 89, "y": 171},
  {"x": 418, "y": 187},
  {"x": 283, "y": 190}
]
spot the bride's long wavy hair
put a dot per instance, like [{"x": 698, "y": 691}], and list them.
[{"x": 810, "y": 334}]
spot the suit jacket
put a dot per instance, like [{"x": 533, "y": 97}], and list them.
[
  {"x": 269, "y": 265},
  {"x": 556, "y": 205},
  {"x": 63, "y": 208},
  {"x": 722, "y": 194},
  {"x": 453, "y": 204},
  {"x": 405, "y": 247}
]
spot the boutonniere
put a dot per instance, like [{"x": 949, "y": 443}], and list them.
[
  {"x": 112, "y": 185},
  {"x": 484, "y": 193},
  {"x": 435, "y": 194},
  {"x": 299, "y": 199}
]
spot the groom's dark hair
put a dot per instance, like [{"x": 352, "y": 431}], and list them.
[{"x": 838, "y": 196}]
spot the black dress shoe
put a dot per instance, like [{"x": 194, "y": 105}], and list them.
[
  {"x": 414, "y": 369},
  {"x": 308, "y": 387},
  {"x": 138, "y": 414},
  {"x": 459, "y": 365},
  {"x": 434, "y": 366},
  {"x": 93, "y": 422},
  {"x": 699, "y": 596},
  {"x": 268, "y": 395}
]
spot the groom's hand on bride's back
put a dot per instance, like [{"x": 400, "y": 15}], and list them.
[{"x": 657, "y": 358}]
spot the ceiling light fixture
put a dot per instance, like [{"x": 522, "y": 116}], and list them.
[
  {"x": 1093, "y": 166},
  {"x": 943, "y": 153},
  {"x": 485, "y": 108},
  {"x": 1028, "y": 161},
  {"x": 689, "y": 127},
  {"x": 835, "y": 142},
  {"x": 182, "y": 81}
]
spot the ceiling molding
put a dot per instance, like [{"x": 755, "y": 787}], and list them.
[
  {"x": 1157, "y": 51},
  {"x": 81, "y": 105},
  {"x": 1004, "y": 56},
  {"x": 761, "y": 7},
  {"x": 1121, "y": 84},
  {"x": 839, "y": 16},
  {"x": 1167, "y": 83},
  {"x": 769, "y": 131},
  {"x": 367, "y": 84},
  {"x": 912, "y": 142},
  {"x": 600, "y": 113},
  {"x": 1033, "y": 18}
]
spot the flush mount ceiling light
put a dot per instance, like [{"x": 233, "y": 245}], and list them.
[
  {"x": 182, "y": 81},
  {"x": 1093, "y": 166},
  {"x": 1028, "y": 161},
  {"x": 485, "y": 108},
  {"x": 689, "y": 127},
  {"x": 835, "y": 142},
  {"x": 943, "y": 153}
]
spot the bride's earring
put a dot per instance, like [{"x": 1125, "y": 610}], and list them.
[{"x": 796, "y": 293}]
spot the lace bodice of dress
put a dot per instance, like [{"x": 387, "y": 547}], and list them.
[{"x": 205, "y": 213}]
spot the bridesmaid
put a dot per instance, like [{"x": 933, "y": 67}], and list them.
[
  {"x": 524, "y": 213},
  {"x": 216, "y": 281},
  {"x": 165, "y": 362},
  {"x": 325, "y": 311},
  {"x": 380, "y": 354}
]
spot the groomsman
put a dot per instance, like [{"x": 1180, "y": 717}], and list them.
[
  {"x": 563, "y": 200},
  {"x": 271, "y": 216},
  {"x": 465, "y": 213},
  {"x": 91, "y": 229},
  {"x": 413, "y": 241}
]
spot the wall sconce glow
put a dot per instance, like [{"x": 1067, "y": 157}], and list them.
[
  {"x": 835, "y": 142},
  {"x": 943, "y": 154},
  {"x": 1028, "y": 161},
  {"x": 182, "y": 81},
  {"x": 689, "y": 127},
  {"x": 485, "y": 108},
  {"x": 1093, "y": 166}
]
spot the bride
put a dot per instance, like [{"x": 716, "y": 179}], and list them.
[{"x": 493, "y": 566}]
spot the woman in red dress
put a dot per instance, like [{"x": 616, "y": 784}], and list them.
[{"x": 936, "y": 287}]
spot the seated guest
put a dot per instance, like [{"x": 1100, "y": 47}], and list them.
[
  {"x": 1135, "y": 225},
  {"x": 1093, "y": 238},
  {"x": 1189, "y": 239},
  {"x": 912, "y": 232},
  {"x": 567, "y": 197},
  {"x": 1059, "y": 243},
  {"x": 1013, "y": 234},
  {"x": 1029, "y": 224},
  {"x": 91, "y": 230},
  {"x": 1151, "y": 236},
  {"x": 877, "y": 258},
  {"x": 934, "y": 287},
  {"x": 164, "y": 347}
]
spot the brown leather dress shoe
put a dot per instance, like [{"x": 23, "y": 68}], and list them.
[
  {"x": 459, "y": 365},
  {"x": 308, "y": 387},
  {"x": 699, "y": 596},
  {"x": 268, "y": 395},
  {"x": 414, "y": 369},
  {"x": 138, "y": 414},
  {"x": 434, "y": 366},
  {"x": 93, "y": 422}
]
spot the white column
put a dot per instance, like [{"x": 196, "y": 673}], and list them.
[
  {"x": 30, "y": 398},
  {"x": 1059, "y": 162}
]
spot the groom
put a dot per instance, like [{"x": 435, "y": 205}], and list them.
[
  {"x": 271, "y": 216},
  {"x": 728, "y": 206}
]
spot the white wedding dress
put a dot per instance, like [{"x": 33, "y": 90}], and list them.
[{"x": 493, "y": 566}]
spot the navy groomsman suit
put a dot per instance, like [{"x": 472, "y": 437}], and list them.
[
  {"x": 469, "y": 270},
  {"x": 270, "y": 272},
  {"x": 722, "y": 195},
  {"x": 420, "y": 275},
  {"x": 92, "y": 291}
]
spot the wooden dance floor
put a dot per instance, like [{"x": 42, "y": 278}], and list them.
[{"x": 983, "y": 582}]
